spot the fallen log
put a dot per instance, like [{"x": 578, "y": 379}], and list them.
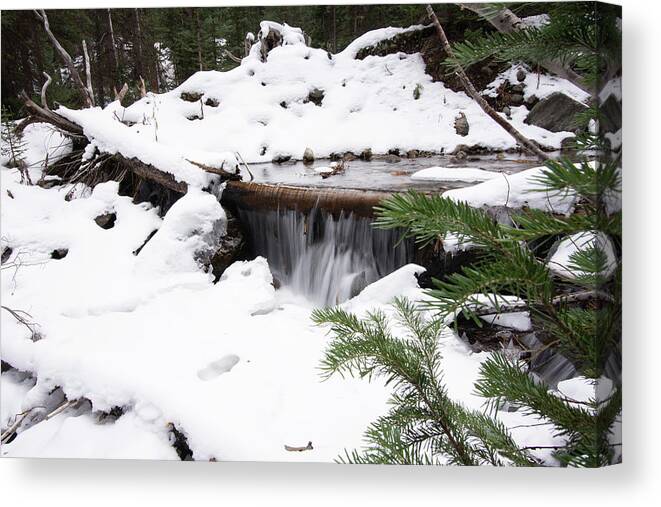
[
  {"x": 48, "y": 116},
  {"x": 266, "y": 196}
]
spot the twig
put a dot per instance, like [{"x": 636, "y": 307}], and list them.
[
  {"x": 216, "y": 170},
  {"x": 17, "y": 423},
  {"x": 299, "y": 449},
  {"x": 525, "y": 143}
]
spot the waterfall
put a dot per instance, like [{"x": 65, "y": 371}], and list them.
[{"x": 324, "y": 258}]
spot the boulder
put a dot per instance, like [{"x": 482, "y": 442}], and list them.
[{"x": 556, "y": 113}]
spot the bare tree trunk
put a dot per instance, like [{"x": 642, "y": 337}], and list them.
[
  {"x": 44, "y": 102},
  {"x": 199, "y": 38},
  {"x": 505, "y": 21},
  {"x": 87, "y": 98},
  {"x": 88, "y": 72},
  {"x": 139, "y": 67},
  {"x": 525, "y": 143},
  {"x": 112, "y": 41}
]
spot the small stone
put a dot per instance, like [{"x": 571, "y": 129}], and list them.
[
  {"x": 308, "y": 156},
  {"x": 211, "y": 102},
  {"x": 316, "y": 96},
  {"x": 521, "y": 75},
  {"x": 280, "y": 158},
  {"x": 392, "y": 159},
  {"x": 517, "y": 89},
  {"x": 349, "y": 156},
  {"x": 106, "y": 221},
  {"x": 191, "y": 96},
  {"x": 516, "y": 99},
  {"x": 366, "y": 154},
  {"x": 6, "y": 254},
  {"x": 59, "y": 253},
  {"x": 507, "y": 112},
  {"x": 412, "y": 154},
  {"x": 461, "y": 126}
]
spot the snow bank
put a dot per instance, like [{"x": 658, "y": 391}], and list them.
[
  {"x": 262, "y": 109},
  {"x": 537, "y": 85},
  {"x": 109, "y": 135},
  {"x": 561, "y": 261},
  {"x": 454, "y": 174},
  {"x": 515, "y": 191},
  {"x": 374, "y": 37}
]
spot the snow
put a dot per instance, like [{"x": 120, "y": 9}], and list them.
[
  {"x": 537, "y": 85},
  {"x": 519, "y": 321},
  {"x": 515, "y": 191},
  {"x": 536, "y": 21},
  {"x": 454, "y": 174},
  {"x": 367, "y": 103},
  {"x": 561, "y": 261},
  {"x": 109, "y": 135},
  {"x": 232, "y": 365},
  {"x": 80, "y": 436},
  {"x": 374, "y": 37}
]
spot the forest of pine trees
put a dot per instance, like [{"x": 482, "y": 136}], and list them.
[{"x": 166, "y": 46}]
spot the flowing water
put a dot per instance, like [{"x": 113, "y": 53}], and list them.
[{"x": 326, "y": 259}]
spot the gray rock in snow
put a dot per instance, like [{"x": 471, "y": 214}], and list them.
[
  {"x": 308, "y": 156},
  {"x": 516, "y": 99},
  {"x": 520, "y": 75},
  {"x": 461, "y": 126},
  {"x": 556, "y": 113}
]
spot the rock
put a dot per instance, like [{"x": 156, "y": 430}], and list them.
[
  {"x": 366, "y": 154},
  {"x": 517, "y": 89},
  {"x": 417, "y": 91},
  {"x": 556, "y": 113},
  {"x": 532, "y": 101},
  {"x": 516, "y": 99},
  {"x": 6, "y": 254},
  {"x": 49, "y": 183},
  {"x": 59, "y": 253},
  {"x": 507, "y": 112},
  {"x": 316, "y": 96},
  {"x": 211, "y": 102},
  {"x": 232, "y": 247},
  {"x": 461, "y": 126},
  {"x": 280, "y": 158},
  {"x": 106, "y": 221},
  {"x": 191, "y": 96},
  {"x": 392, "y": 159},
  {"x": 412, "y": 154},
  {"x": 349, "y": 156},
  {"x": 335, "y": 156},
  {"x": 308, "y": 156},
  {"x": 521, "y": 75}
]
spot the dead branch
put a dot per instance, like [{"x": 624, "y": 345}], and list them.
[
  {"x": 24, "y": 318},
  {"x": 73, "y": 72},
  {"x": 505, "y": 21},
  {"x": 299, "y": 449},
  {"x": 88, "y": 72},
  {"x": 49, "y": 116},
  {"x": 119, "y": 96},
  {"x": 525, "y": 143},
  {"x": 44, "y": 102},
  {"x": 216, "y": 170},
  {"x": 142, "y": 88},
  {"x": 17, "y": 423},
  {"x": 235, "y": 59}
]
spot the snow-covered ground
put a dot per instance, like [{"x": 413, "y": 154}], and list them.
[{"x": 232, "y": 365}]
